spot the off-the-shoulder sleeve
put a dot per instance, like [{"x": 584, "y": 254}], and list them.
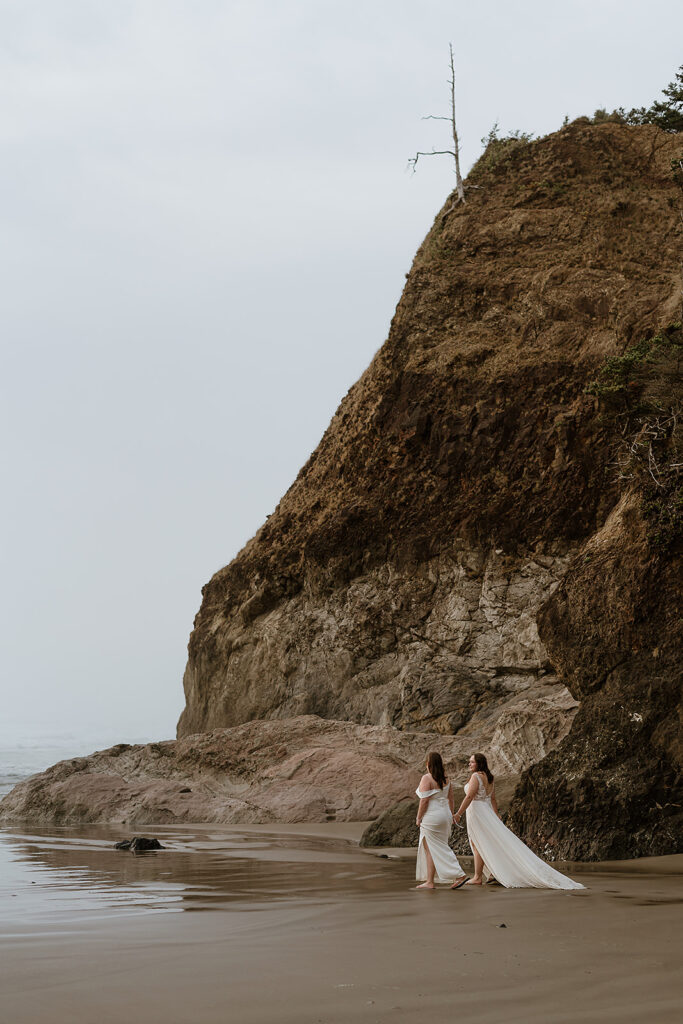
[{"x": 428, "y": 792}]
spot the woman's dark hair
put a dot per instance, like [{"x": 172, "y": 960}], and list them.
[
  {"x": 482, "y": 766},
  {"x": 436, "y": 769}
]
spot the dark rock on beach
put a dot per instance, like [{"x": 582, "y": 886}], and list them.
[
  {"x": 139, "y": 844},
  {"x": 395, "y": 827}
]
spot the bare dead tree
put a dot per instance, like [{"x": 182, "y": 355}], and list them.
[{"x": 455, "y": 152}]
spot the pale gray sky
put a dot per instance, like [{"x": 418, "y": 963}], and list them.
[{"x": 206, "y": 222}]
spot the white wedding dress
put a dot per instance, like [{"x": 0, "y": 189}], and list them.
[
  {"x": 434, "y": 831},
  {"x": 507, "y": 858}
]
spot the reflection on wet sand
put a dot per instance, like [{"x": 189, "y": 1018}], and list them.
[{"x": 67, "y": 872}]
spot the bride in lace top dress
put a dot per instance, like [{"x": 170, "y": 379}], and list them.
[{"x": 494, "y": 845}]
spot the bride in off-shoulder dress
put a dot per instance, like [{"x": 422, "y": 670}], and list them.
[
  {"x": 508, "y": 859},
  {"x": 435, "y": 859}
]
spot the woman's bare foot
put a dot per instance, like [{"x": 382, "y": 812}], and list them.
[
  {"x": 460, "y": 882},
  {"x": 425, "y": 885},
  {"x": 474, "y": 881}
]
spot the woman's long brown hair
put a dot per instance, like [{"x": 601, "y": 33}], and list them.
[
  {"x": 436, "y": 769},
  {"x": 482, "y": 766}
]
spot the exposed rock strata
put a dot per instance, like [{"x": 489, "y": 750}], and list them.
[
  {"x": 301, "y": 769},
  {"x": 430, "y": 648}
]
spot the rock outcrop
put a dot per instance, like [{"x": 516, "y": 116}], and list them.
[
  {"x": 301, "y": 769},
  {"x": 614, "y": 630}
]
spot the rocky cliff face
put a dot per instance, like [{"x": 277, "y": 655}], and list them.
[
  {"x": 450, "y": 506},
  {"x": 432, "y": 646},
  {"x": 470, "y": 432}
]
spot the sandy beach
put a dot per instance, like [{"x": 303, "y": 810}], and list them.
[{"x": 298, "y": 924}]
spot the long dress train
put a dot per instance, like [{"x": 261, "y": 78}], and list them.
[
  {"x": 435, "y": 830},
  {"x": 510, "y": 861}
]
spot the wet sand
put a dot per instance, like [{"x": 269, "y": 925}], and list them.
[{"x": 297, "y": 925}]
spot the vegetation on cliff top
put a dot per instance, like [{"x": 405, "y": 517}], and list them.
[
  {"x": 666, "y": 114},
  {"x": 497, "y": 150}
]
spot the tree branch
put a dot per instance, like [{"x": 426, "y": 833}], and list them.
[{"x": 435, "y": 152}]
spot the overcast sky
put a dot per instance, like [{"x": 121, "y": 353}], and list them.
[{"x": 206, "y": 222}]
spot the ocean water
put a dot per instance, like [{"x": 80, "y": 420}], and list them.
[{"x": 21, "y": 756}]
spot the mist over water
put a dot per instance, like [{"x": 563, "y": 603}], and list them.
[{"x": 22, "y": 755}]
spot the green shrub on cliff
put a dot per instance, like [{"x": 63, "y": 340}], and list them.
[
  {"x": 603, "y": 116},
  {"x": 667, "y": 114},
  {"x": 638, "y": 374},
  {"x": 617, "y": 379},
  {"x": 498, "y": 150}
]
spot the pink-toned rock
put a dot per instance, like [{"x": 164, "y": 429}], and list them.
[
  {"x": 301, "y": 769},
  {"x": 288, "y": 770}
]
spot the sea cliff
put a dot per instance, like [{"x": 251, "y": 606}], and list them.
[{"x": 488, "y": 531}]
